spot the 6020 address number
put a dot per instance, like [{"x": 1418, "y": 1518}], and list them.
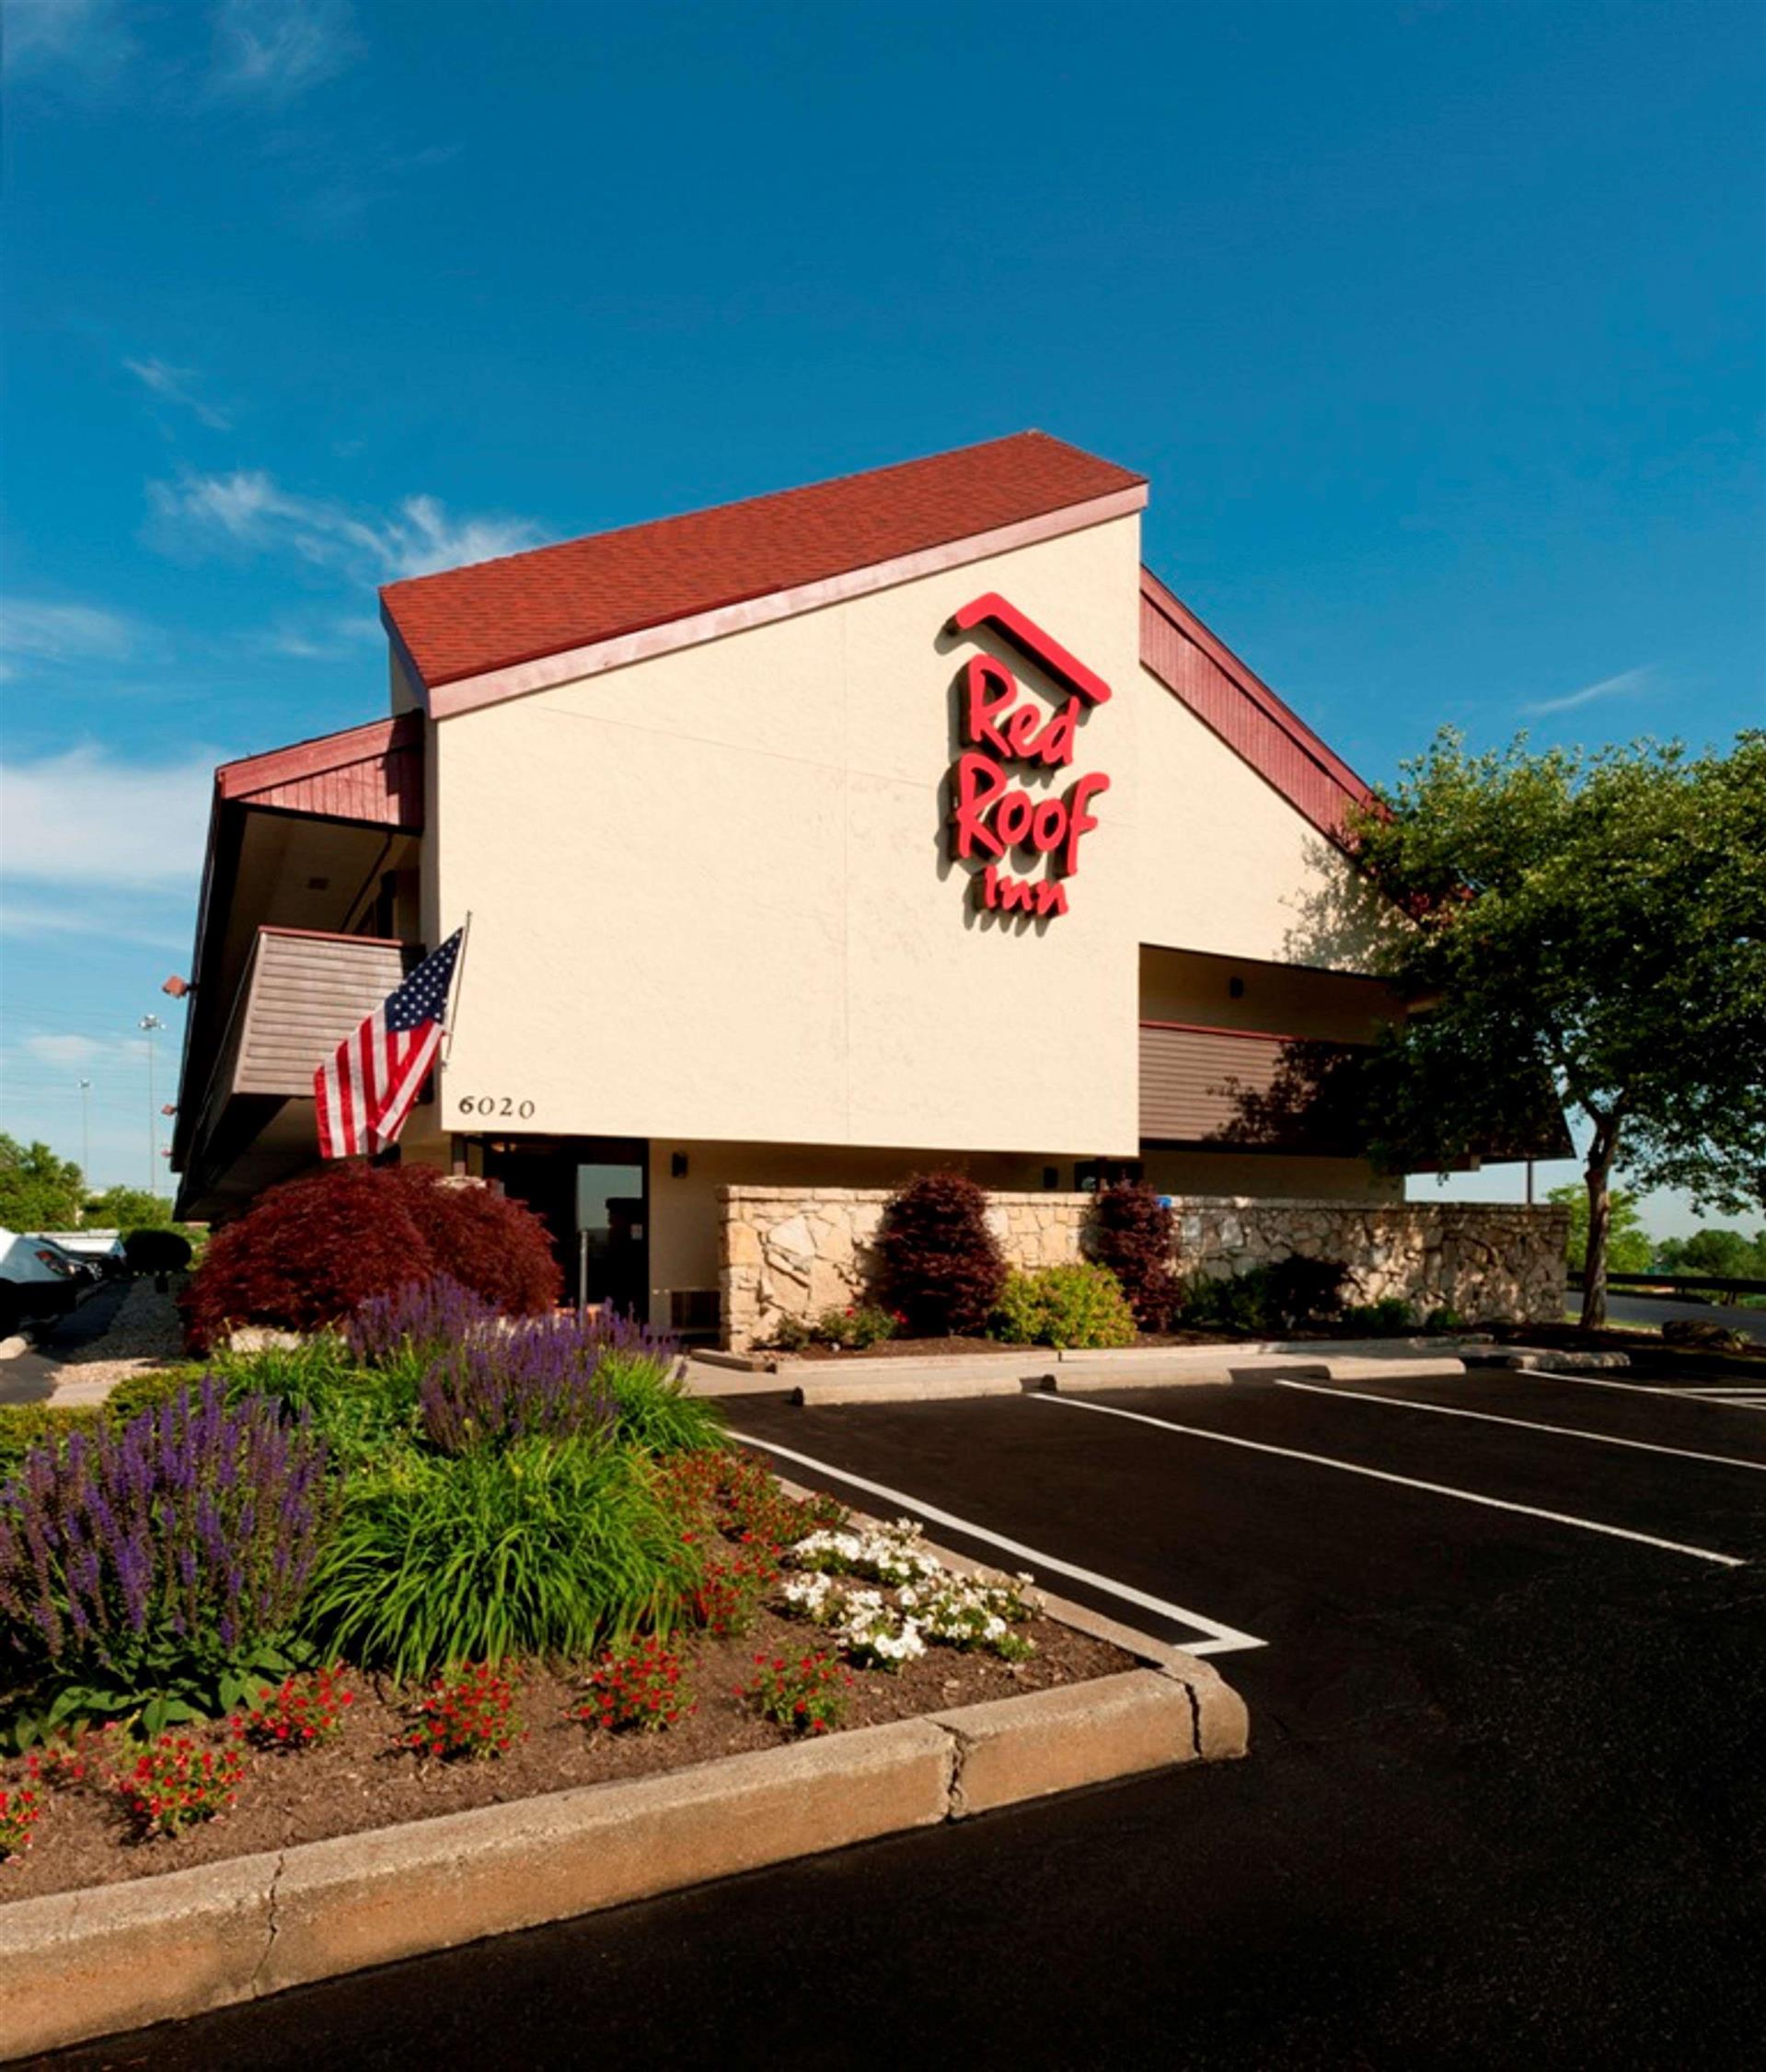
[{"x": 495, "y": 1104}]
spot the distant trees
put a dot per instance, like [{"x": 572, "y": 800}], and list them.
[
  {"x": 1628, "y": 1243},
  {"x": 127, "y": 1209},
  {"x": 1714, "y": 1252},
  {"x": 37, "y": 1190}
]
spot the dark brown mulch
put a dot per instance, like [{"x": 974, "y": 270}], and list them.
[{"x": 364, "y": 1779}]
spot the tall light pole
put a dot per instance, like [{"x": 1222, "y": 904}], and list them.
[
  {"x": 86, "y": 1134},
  {"x": 150, "y": 1025}
]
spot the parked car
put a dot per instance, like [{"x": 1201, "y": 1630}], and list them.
[
  {"x": 101, "y": 1250},
  {"x": 37, "y": 1279}
]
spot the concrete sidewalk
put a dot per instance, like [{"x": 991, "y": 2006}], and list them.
[{"x": 948, "y": 1375}]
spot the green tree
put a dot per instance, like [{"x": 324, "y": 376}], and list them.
[
  {"x": 1715, "y": 1252},
  {"x": 1628, "y": 1246},
  {"x": 128, "y": 1209},
  {"x": 1596, "y": 922},
  {"x": 37, "y": 1190}
]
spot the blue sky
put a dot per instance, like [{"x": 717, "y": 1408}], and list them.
[{"x": 1437, "y": 328}]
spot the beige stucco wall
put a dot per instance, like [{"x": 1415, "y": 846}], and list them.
[
  {"x": 710, "y": 894},
  {"x": 1226, "y": 865},
  {"x": 1283, "y": 998}
]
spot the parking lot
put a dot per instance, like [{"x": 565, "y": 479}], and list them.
[
  {"x": 1502, "y": 1638},
  {"x": 1247, "y": 1521}
]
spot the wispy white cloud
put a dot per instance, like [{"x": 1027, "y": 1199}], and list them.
[
  {"x": 37, "y": 631},
  {"x": 71, "y": 1051},
  {"x": 277, "y": 48},
  {"x": 176, "y": 385},
  {"x": 1628, "y": 683},
  {"x": 86, "y": 41},
  {"x": 85, "y": 817},
  {"x": 318, "y": 640},
  {"x": 37, "y": 919},
  {"x": 248, "y": 509}
]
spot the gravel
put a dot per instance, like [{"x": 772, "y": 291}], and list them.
[{"x": 146, "y": 1333}]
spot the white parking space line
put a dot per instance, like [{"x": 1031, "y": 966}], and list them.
[
  {"x": 1221, "y": 1641},
  {"x": 1524, "y": 1424},
  {"x": 1404, "y": 1481},
  {"x": 1658, "y": 1390}
]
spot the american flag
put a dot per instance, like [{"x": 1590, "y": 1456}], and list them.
[{"x": 365, "y": 1089}]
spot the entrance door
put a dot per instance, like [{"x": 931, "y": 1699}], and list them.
[
  {"x": 592, "y": 1195},
  {"x": 612, "y": 1223}
]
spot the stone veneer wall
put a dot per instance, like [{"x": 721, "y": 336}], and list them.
[{"x": 794, "y": 1252}]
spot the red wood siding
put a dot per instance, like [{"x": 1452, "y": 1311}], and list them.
[
  {"x": 1193, "y": 1080},
  {"x": 1242, "y": 709},
  {"x": 372, "y": 774}
]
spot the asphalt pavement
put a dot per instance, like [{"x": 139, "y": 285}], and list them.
[
  {"x": 1651, "y": 1308},
  {"x": 1506, "y": 1798}
]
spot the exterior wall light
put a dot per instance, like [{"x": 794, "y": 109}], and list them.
[{"x": 677, "y": 1165}]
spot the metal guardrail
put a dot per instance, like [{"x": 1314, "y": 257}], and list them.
[{"x": 1680, "y": 1283}]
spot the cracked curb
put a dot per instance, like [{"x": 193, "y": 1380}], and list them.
[{"x": 103, "y": 1959}]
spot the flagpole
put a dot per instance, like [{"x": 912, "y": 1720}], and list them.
[{"x": 454, "y": 987}]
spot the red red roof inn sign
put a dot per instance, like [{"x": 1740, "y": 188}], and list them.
[{"x": 994, "y": 820}]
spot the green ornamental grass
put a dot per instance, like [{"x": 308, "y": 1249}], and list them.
[
  {"x": 655, "y": 1413},
  {"x": 543, "y": 1547}
]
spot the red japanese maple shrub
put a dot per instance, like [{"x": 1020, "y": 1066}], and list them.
[
  {"x": 306, "y": 1255},
  {"x": 938, "y": 1261},
  {"x": 1135, "y": 1234},
  {"x": 485, "y": 1241},
  {"x": 312, "y": 1251}
]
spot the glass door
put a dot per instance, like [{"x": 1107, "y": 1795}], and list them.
[{"x": 612, "y": 1235}]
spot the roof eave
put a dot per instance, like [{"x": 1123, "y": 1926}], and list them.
[{"x": 445, "y": 699}]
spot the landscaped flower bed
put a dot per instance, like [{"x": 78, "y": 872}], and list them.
[{"x": 449, "y": 1562}]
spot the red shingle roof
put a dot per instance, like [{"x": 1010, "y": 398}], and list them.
[{"x": 496, "y": 614}]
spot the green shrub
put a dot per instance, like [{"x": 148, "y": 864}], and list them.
[
  {"x": 1300, "y": 1290},
  {"x": 1267, "y": 1300},
  {"x": 855, "y": 1328},
  {"x": 25, "y": 1426},
  {"x": 1076, "y": 1305},
  {"x": 1390, "y": 1317},
  {"x": 360, "y": 1412},
  {"x": 656, "y": 1415},
  {"x": 300, "y": 1376},
  {"x": 156, "y": 1251},
  {"x": 1444, "y": 1318},
  {"x": 148, "y": 1389},
  {"x": 1231, "y": 1302},
  {"x": 540, "y": 1549}
]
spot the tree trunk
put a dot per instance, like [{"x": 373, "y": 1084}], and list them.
[{"x": 1598, "y": 1174}]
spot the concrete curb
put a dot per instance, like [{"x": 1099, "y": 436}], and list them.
[
  {"x": 911, "y": 1388},
  {"x": 950, "y": 1377},
  {"x": 80, "y": 1964},
  {"x": 1076, "y": 1377},
  {"x": 1526, "y": 1358}
]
